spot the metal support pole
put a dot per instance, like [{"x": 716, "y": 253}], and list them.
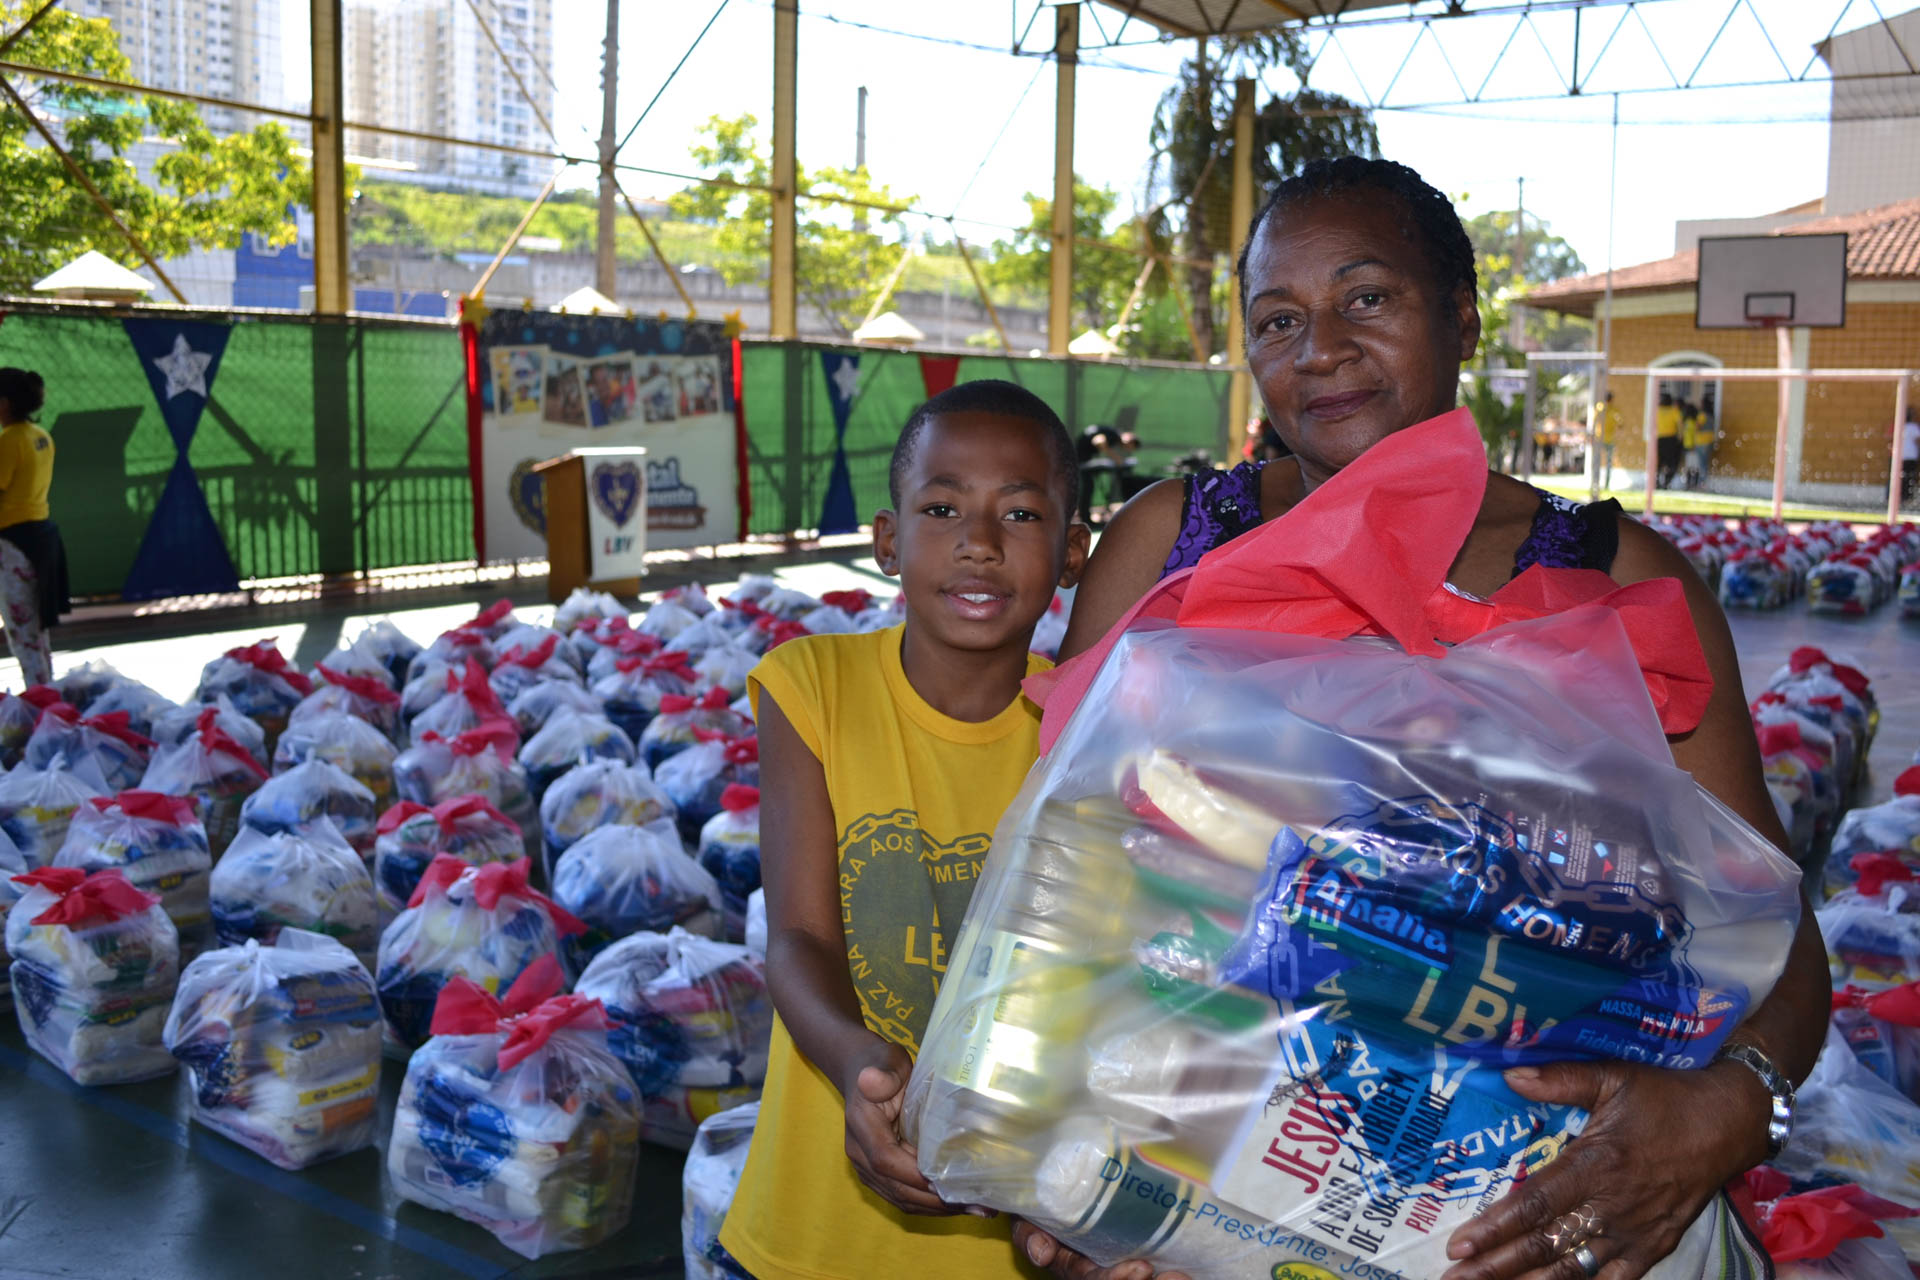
[
  {"x": 986, "y": 298},
  {"x": 330, "y": 293},
  {"x": 1240, "y": 388},
  {"x": 1647, "y": 430},
  {"x": 1526, "y": 428},
  {"x": 604, "y": 269},
  {"x": 1784, "y": 337},
  {"x": 1606, "y": 329},
  {"x": 1899, "y": 435},
  {"x": 784, "y": 320},
  {"x": 1066, "y": 56}
]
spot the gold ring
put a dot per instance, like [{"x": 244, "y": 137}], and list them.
[{"x": 1571, "y": 1230}]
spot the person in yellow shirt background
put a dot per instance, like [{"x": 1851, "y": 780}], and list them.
[
  {"x": 1603, "y": 420},
  {"x": 1666, "y": 432},
  {"x": 886, "y": 760},
  {"x": 1696, "y": 435},
  {"x": 33, "y": 562}
]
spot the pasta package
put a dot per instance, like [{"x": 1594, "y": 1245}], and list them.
[
  {"x": 691, "y": 1020},
  {"x": 282, "y": 1047},
  {"x": 516, "y": 1117},
  {"x": 95, "y": 963}
]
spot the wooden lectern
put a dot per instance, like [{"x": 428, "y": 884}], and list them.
[{"x": 572, "y": 558}]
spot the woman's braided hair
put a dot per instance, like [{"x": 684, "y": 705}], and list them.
[{"x": 1428, "y": 217}]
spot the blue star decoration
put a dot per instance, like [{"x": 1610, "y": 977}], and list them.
[{"x": 186, "y": 369}]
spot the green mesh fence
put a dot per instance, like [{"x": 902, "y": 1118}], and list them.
[
  {"x": 790, "y": 418},
  {"x": 324, "y": 447}
]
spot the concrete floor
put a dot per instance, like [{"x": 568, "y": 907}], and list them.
[{"x": 115, "y": 1182}]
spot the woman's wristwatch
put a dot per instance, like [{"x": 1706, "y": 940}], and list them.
[{"x": 1780, "y": 1123}]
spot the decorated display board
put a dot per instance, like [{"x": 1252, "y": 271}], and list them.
[{"x": 541, "y": 383}]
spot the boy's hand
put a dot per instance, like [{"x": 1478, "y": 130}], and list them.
[
  {"x": 1044, "y": 1251},
  {"x": 875, "y": 1090}
]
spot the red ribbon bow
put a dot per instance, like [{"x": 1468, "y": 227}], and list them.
[
  {"x": 394, "y": 818},
  {"x": 449, "y": 812},
  {"x": 677, "y": 704},
  {"x": 266, "y": 656},
  {"x": 743, "y": 750},
  {"x": 856, "y": 600},
  {"x": 781, "y": 632},
  {"x": 493, "y": 881},
  {"x": 215, "y": 739},
  {"x": 119, "y": 726},
  {"x": 532, "y": 659},
  {"x": 1367, "y": 553},
  {"x": 1806, "y": 658},
  {"x": 669, "y": 664},
  {"x": 1898, "y": 1005},
  {"x": 638, "y": 644},
  {"x": 739, "y": 797},
  {"x": 463, "y": 638},
  {"x": 1908, "y": 783},
  {"x": 1875, "y": 871},
  {"x": 40, "y": 696},
  {"x": 1815, "y": 1223},
  {"x": 530, "y": 1013},
  {"x": 471, "y": 684},
  {"x": 65, "y": 712},
  {"x": 491, "y": 615},
  {"x": 375, "y": 691},
  {"x": 502, "y": 737},
  {"x": 104, "y": 896},
  {"x": 153, "y": 806}
]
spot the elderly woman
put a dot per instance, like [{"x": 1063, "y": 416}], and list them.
[{"x": 1357, "y": 282}]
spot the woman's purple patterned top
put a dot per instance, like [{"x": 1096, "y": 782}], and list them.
[{"x": 1222, "y": 505}]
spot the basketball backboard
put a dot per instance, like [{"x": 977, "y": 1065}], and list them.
[{"x": 1758, "y": 282}]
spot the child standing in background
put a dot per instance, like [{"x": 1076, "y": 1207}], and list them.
[{"x": 886, "y": 761}]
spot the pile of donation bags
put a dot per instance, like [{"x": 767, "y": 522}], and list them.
[{"x": 1274, "y": 911}]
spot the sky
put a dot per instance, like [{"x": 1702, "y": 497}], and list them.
[{"x": 958, "y": 121}]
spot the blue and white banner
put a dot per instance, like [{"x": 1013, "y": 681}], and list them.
[
  {"x": 548, "y": 383},
  {"x": 838, "y": 514},
  {"x": 182, "y": 552}
]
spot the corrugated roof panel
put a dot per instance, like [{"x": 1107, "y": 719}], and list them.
[{"x": 1220, "y": 17}]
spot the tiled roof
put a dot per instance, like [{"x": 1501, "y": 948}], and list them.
[{"x": 1882, "y": 244}]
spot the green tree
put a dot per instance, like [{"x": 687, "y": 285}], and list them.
[
  {"x": 841, "y": 262},
  {"x": 206, "y": 190},
  {"x": 1192, "y": 137}
]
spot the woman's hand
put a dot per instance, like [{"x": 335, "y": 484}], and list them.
[
  {"x": 875, "y": 1089},
  {"x": 1657, "y": 1147},
  {"x": 1044, "y": 1251}
]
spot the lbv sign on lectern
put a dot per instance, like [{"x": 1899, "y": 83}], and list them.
[{"x": 596, "y": 501}]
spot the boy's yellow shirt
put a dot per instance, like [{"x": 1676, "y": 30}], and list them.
[
  {"x": 26, "y": 473},
  {"x": 916, "y": 796}
]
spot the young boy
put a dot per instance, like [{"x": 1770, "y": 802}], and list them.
[{"x": 886, "y": 761}]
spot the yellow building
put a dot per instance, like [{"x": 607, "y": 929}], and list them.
[{"x": 1839, "y": 433}]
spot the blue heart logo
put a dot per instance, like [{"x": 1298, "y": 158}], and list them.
[
  {"x": 528, "y": 493},
  {"x": 616, "y": 490}
]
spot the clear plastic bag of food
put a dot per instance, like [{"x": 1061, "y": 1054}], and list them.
[
  {"x": 311, "y": 792},
  {"x": 11, "y": 865},
  {"x": 1883, "y": 1030},
  {"x": 426, "y": 685},
  {"x": 94, "y": 965},
  {"x": 632, "y": 692},
  {"x": 708, "y": 1181},
  {"x": 37, "y": 806},
  {"x": 1833, "y": 1231},
  {"x": 86, "y": 684},
  {"x": 344, "y": 741},
  {"x": 1266, "y": 922},
  {"x": 1872, "y": 931},
  {"x": 259, "y": 681},
  {"x": 494, "y": 621},
  {"x": 467, "y": 703},
  {"x": 483, "y": 923},
  {"x": 622, "y": 880},
  {"x": 369, "y": 697},
  {"x": 516, "y": 1117},
  {"x": 532, "y": 707},
  {"x": 599, "y": 794},
  {"x": 142, "y": 706},
  {"x": 523, "y": 665},
  {"x": 571, "y": 739},
  {"x": 700, "y": 639},
  {"x": 392, "y": 646},
  {"x": 584, "y": 606},
  {"x": 282, "y": 1047},
  {"x": 478, "y": 762},
  {"x": 666, "y": 620},
  {"x": 730, "y": 851},
  {"x": 411, "y": 835},
  {"x": 683, "y": 720},
  {"x": 1852, "y": 1126},
  {"x": 453, "y": 649},
  {"x": 312, "y": 880},
  {"x": 356, "y": 659},
  {"x": 696, "y": 779},
  {"x": 618, "y": 643},
  {"x": 726, "y": 666},
  {"x": 176, "y": 726},
  {"x": 106, "y": 743},
  {"x": 158, "y": 842},
  {"x": 757, "y": 923},
  {"x": 692, "y": 1021},
  {"x": 218, "y": 771},
  {"x": 17, "y": 719},
  {"x": 691, "y": 596},
  {"x": 1890, "y": 828}
]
